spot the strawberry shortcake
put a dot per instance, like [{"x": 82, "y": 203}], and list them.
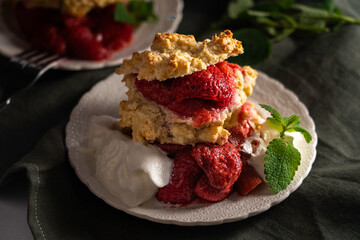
[
  {"x": 183, "y": 91},
  {"x": 184, "y": 97}
]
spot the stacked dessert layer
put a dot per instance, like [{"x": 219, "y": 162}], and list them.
[{"x": 183, "y": 91}]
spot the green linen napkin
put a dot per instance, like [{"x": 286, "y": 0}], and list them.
[{"x": 323, "y": 71}]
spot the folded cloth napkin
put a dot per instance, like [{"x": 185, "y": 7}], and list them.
[{"x": 323, "y": 71}]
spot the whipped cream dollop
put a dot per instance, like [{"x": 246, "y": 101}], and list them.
[
  {"x": 129, "y": 170},
  {"x": 263, "y": 137}
]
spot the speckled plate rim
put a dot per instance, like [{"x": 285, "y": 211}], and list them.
[
  {"x": 104, "y": 98},
  {"x": 169, "y": 14}
]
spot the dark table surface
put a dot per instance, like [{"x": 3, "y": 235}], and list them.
[{"x": 324, "y": 72}]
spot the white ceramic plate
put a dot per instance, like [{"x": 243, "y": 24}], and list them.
[
  {"x": 104, "y": 99},
  {"x": 169, "y": 13}
]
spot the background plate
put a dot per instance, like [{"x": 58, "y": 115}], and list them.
[
  {"x": 169, "y": 13},
  {"x": 104, "y": 99}
]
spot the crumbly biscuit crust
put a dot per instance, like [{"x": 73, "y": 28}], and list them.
[{"x": 175, "y": 55}]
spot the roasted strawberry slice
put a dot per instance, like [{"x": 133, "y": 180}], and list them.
[
  {"x": 229, "y": 68},
  {"x": 199, "y": 95},
  {"x": 209, "y": 84},
  {"x": 184, "y": 176},
  {"x": 221, "y": 163},
  {"x": 159, "y": 92},
  {"x": 204, "y": 190},
  {"x": 116, "y": 35},
  {"x": 248, "y": 179}
]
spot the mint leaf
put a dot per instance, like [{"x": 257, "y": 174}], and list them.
[
  {"x": 121, "y": 14},
  {"x": 293, "y": 120},
  {"x": 281, "y": 162},
  {"x": 305, "y": 133},
  {"x": 142, "y": 10},
  {"x": 283, "y": 124},
  {"x": 282, "y": 158},
  {"x": 135, "y": 12},
  {"x": 276, "y": 115}
]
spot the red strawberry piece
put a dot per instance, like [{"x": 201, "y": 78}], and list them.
[
  {"x": 209, "y": 84},
  {"x": 117, "y": 35},
  {"x": 199, "y": 95},
  {"x": 229, "y": 68},
  {"x": 157, "y": 91},
  {"x": 184, "y": 176},
  {"x": 204, "y": 190},
  {"x": 221, "y": 163},
  {"x": 174, "y": 148},
  {"x": 84, "y": 45},
  {"x": 78, "y": 34},
  {"x": 248, "y": 180}
]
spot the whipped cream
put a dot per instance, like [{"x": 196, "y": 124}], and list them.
[
  {"x": 129, "y": 170},
  {"x": 264, "y": 137}
]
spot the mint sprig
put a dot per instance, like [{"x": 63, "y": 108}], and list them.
[
  {"x": 259, "y": 23},
  {"x": 284, "y": 124},
  {"x": 282, "y": 158},
  {"x": 134, "y": 12}
]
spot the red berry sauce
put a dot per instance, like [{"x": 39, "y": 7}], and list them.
[
  {"x": 92, "y": 37},
  {"x": 200, "y": 95}
]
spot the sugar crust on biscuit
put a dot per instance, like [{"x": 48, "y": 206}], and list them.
[{"x": 175, "y": 55}]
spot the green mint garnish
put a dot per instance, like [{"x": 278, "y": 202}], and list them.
[
  {"x": 281, "y": 162},
  {"x": 283, "y": 124},
  {"x": 282, "y": 158},
  {"x": 134, "y": 12},
  {"x": 121, "y": 14}
]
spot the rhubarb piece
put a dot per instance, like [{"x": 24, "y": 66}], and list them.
[{"x": 248, "y": 179}]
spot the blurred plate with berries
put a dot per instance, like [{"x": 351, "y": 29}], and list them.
[{"x": 90, "y": 34}]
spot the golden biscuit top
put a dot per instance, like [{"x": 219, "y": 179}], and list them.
[{"x": 175, "y": 55}]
